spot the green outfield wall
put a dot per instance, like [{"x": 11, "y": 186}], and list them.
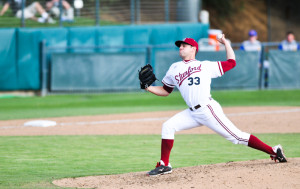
[
  {"x": 284, "y": 71},
  {"x": 108, "y": 58},
  {"x": 119, "y": 70},
  {"x": 20, "y": 64}
]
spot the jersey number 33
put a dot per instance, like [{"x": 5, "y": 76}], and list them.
[{"x": 194, "y": 80}]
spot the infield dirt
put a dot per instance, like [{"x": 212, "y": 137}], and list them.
[{"x": 249, "y": 174}]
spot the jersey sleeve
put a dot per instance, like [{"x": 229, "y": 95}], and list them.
[
  {"x": 167, "y": 80},
  {"x": 228, "y": 65},
  {"x": 168, "y": 89},
  {"x": 215, "y": 68}
]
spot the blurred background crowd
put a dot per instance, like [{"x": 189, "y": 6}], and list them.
[{"x": 271, "y": 19}]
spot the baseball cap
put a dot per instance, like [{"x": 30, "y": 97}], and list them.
[
  {"x": 252, "y": 33},
  {"x": 189, "y": 41}
]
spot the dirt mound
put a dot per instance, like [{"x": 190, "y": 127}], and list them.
[{"x": 248, "y": 174}]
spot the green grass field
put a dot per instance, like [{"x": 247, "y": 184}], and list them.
[
  {"x": 107, "y": 103},
  {"x": 34, "y": 161}
]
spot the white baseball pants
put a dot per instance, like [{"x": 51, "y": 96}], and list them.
[{"x": 211, "y": 116}]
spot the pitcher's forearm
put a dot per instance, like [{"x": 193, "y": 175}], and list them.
[
  {"x": 229, "y": 51},
  {"x": 157, "y": 90}
]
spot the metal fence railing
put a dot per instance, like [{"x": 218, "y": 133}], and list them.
[{"x": 29, "y": 13}]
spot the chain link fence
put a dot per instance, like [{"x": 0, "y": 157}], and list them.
[{"x": 30, "y": 13}]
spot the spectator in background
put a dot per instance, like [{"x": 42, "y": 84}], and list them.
[
  {"x": 29, "y": 11},
  {"x": 53, "y": 7},
  {"x": 252, "y": 44},
  {"x": 289, "y": 44}
]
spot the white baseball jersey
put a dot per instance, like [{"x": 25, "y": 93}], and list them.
[{"x": 193, "y": 79}]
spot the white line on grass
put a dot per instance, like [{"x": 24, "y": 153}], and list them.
[
  {"x": 165, "y": 118},
  {"x": 162, "y": 118},
  {"x": 116, "y": 121}
]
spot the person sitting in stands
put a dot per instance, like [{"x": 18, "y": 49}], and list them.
[
  {"x": 29, "y": 11},
  {"x": 67, "y": 10},
  {"x": 289, "y": 44},
  {"x": 252, "y": 44}
]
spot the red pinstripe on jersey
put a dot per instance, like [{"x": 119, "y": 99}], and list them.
[
  {"x": 220, "y": 68},
  {"x": 224, "y": 126}
]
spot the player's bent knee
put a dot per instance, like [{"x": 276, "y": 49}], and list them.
[
  {"x": 168, "y": 130},
  {"x": 237, "y": 141},
  {"x": 242, "y": 138}
]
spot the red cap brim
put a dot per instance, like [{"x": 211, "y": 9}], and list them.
[{"x": 178, "y": 43}]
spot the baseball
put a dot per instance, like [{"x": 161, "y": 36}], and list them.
[{"x": 219, "y": 36}]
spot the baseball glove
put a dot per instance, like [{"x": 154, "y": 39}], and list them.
[{"x": 146, "y": 76}]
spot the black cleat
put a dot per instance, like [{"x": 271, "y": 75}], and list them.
[
  {"x": 160, "y": 169},
  {"x": 279, "y": 154}
]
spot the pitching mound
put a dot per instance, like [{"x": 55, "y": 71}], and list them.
[{"x": 248, "y": 174}]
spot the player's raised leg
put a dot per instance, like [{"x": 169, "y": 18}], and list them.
[{"x": 223, "y": 126}]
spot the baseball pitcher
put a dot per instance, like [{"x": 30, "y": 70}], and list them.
[{"x": 193, "y": 78}]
